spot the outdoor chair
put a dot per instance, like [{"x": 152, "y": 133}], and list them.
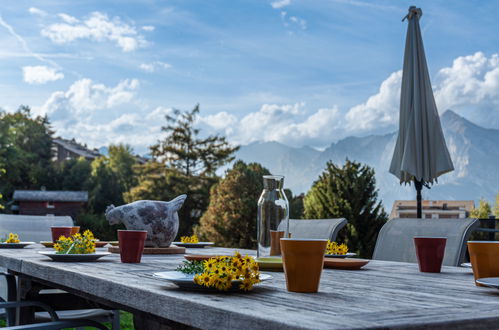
[
  {"x": 318, "y": 229},
  {"x": 54, "y": 324},
  {"x": 36, "y": 229},
  {"x": 395, "y": 240}
]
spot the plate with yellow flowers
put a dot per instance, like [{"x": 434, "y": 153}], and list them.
[
  {"x": 346, "y": 255},
  {"x": 224, "y": 273},
  {"x": 77, "y": 248},
  {"x": 13, "y": 242},
  {"x": 335, "y": 250},
  {"x": 186, "y": 281},
  {"x": 55, "y": 256},
  {"x": 20, "y": 245},
  {"x": 192, "y": 242}
]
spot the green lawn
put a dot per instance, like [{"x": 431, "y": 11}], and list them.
[{"x": 126, "y": 322}]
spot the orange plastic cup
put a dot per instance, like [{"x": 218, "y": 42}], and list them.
[
  {"x": 484, "y": 256},
  {"x": 303, "y": 260}
]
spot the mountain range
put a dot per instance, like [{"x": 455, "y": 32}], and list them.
[{"x": 474, "y": 151}]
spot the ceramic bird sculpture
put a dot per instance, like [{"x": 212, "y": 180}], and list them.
[{"x": 160, "y": 219}]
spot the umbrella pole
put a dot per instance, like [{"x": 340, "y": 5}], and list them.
[{"x": 419, "y": 187}]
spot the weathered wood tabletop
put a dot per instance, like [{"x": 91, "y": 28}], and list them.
[{"x": 384, "y": 294}]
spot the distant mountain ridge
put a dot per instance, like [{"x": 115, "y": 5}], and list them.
[{"x": 474, "y": 151}]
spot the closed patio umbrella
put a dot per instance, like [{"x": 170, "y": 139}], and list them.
[{"x": 420, "y": 153}]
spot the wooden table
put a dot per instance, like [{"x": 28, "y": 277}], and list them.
[{"x": 384, "y": 294}]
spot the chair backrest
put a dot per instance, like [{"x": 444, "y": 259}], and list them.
[
  {"x": 395, "y": 240},
  {"x": 31, "y": 228},
  {"x": 319, "y": 229}
]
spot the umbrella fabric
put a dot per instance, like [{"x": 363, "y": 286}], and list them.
[{"x": 420, "y": 152}]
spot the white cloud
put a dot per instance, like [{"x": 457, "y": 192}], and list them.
[
  {"x": 299, "y": 21},
  {"x": 147, "y": 67},
  {"x": 159, "y": 112},
  {"x": 148, "y": 28},
  {"x": 40, "y": 74},
  {"x": 84, "y": 97},
  {"x": 37, "y": 11},
  {"x": 380, "y": 110},
  {"x": 68, "y": 18},
  {"x": 151, "y": 67},
  {"x": 96, "y": 27},
  {"x": 471, "y": 81},
  {"x": 280, "y": 4},
  {"x": 99, "y": 115}
]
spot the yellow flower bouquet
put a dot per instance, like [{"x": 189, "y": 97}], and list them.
[
  {"x": 76, "y": 244},
  {"x": 189, "y": 239},
  {"x": 220, "y": 272},
  {"x": 335, "y": 248},
  {"x": 13, "y": 238}
]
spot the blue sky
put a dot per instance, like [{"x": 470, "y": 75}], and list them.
[{"x": 298, "y": 72}]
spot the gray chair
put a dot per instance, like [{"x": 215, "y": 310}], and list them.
[
  {"x": 31, "y": 228},
  {"x": 395, "y": 240},
  {"x": 318, "y": 229},
  {"x": 36, "y": 229}
]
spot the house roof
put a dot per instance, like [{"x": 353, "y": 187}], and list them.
[
  {"x": 50, "y": 196},
  {"x": 76, "y": 148}
]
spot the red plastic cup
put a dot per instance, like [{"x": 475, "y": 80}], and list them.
[
  {"x": 131, "y": 245},
  {"x": 430, "y": 253},
  {"x": 60, "y": 231}
]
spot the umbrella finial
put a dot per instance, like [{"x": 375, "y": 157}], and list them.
[{"x": 413, "y": 10}]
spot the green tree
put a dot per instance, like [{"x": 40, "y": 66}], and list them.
[
  {"x": 348, "y": 192},
  {"x": 105, "y": 189},
  {"x": 159, "y": 183},
  {"x": 183, "y": 163},
  {"x": 184, "y": 149},
  {"x": 231, "y": 216},
  {"x": 122, "y": 163},
  {"x": 25, "y": 149},
  {"x": 295, "y": 204},
  {"x": 2, "y": 172},
  {"x": 72, "y": 174},
  {"x": 483, "y": 211},
  {"x": 496, "y": 207}
]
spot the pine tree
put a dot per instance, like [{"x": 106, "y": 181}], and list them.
[
  {"x": 184, "y": 150},
  {"x": 348, "y": 192},
  {"x": 183, "y": 163},
  {"x": 231, "y": 216}
]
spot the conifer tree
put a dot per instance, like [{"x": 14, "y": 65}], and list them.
[
  {"x": 184, "y": 162},
  {"x": 231, "y": 216},
  {"x": 348, "y": 192},
  {"x": 186, "y": 151}
]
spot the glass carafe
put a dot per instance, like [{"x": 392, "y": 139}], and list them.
[{"x": 273, "y": 216}]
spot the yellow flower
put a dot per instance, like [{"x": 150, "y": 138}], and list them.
[
  {"x": 13, "y": 238},
  {"x": 220, "y": 272},
  {"x": 189, "y": 239},
  {"x": 335, "y": 248}
]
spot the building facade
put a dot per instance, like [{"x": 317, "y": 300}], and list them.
[
  {"x": 438, "y": 209},
  {"x": 41, "y": 202}
]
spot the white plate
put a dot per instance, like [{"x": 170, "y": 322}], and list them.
[
  {"x": 199, "y": 245},
  {"x": 492, "y": 282},
  {"x": 466, "y": 265},
  {"x": 186, "y": 281},
  {"x": 19, "y": 245},
  {"x": 349, "y": 254},
  {"x": 74, "y": 257}
]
